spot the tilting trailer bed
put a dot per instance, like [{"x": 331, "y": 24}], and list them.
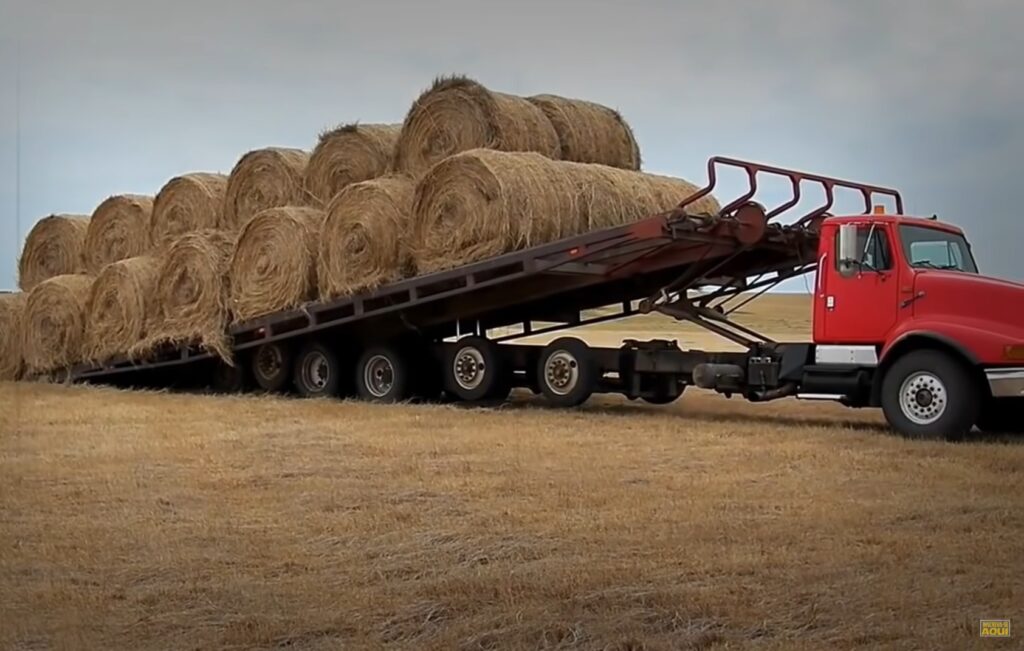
[{"x": 428, "y": 333}]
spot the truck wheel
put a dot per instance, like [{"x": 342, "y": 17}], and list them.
[
  {"x": 566, "y": 372},
  {"x": 474, "y": 371},
  {"x": 317, "y": 372},
  {"x": 272, "y": 366},
  {"x": 927, "y": 394},
  {"x": 1003, "y": 416},
  {"x": 382, "y": 375},
  {"x": 230, "y": 379}
]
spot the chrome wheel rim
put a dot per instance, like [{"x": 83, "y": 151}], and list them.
[
  {"x": 561, "y": 372},
  {"x": 923, "y": 398},
  {"x": 379, "y": 376},
  {"x": 316, "y": 371},
  {"x": 469, "y": 368}
]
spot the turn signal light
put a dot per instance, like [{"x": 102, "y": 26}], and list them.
[
  {"x": 879, "y": 210},
  {"x": 1014, "y": 352}
]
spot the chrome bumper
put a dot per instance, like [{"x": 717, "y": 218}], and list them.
[{"x": 1006, "y": 382}]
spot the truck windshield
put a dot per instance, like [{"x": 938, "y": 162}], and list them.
[{"x": 931, "y": 248}]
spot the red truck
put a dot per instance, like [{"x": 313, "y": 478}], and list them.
[{"x": 903, "y": 319}]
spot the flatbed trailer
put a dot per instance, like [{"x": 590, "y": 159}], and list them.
[{"x": 456, "y": 332}]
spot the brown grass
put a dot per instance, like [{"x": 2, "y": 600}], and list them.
[
  {"x": 365, "y": 237},
  {"x": 12, "y": 307},
  {"x": 187, "y": 203},
  {"x": 148, "y": 520},
  {"x": 122, "y": 298},
  {"x": 482, "y": 203},
  {"x": 263, "y": 179},
  {"x": 53, "y": 325},
  {"x": 589, "y": 132},
  {"x": 273, "y": 265},
  {"x": 119, "y": 229},
  {"x": 190, "y": 304},
  {"x": 457, "y": 114},
  {"x": 349, "y": 154},
  {"x": 53, "y": 248}
]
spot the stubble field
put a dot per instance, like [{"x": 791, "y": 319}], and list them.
[{"x": 141, "y": 520}]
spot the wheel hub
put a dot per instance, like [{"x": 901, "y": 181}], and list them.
[
  {"x": 561, "y": 372},
  {"x": 470, "y": 368},
  {"x": 923, "y": 398},
  {"x": 379, "y": 376},
  {"x": 316, "y": 371},
  {"x": 268, "y": 361}
]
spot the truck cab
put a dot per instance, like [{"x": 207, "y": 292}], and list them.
[{"x": 904, "y": 296}]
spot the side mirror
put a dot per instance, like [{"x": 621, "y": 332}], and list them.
[{"x": 849, "y": 251}]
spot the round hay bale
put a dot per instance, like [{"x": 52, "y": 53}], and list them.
[
  {"x": 53, "y": 248},
  {"x": 347, "y": 155},
  {"x": 273, "y": 266},
  {"x": 458, "y": 114},
  {"x": 187, "y": 203},
  {"x": 363, "y": 243},
  {"x": 119, "y": 303},
  {"x": 589, "y": 132},
  {"x": 190, "y": 299},
  {"x": 53, "y": 325},
  {"x": 262, "y": 179},
  {"x": 12, "y": 307},
  {"x": 483, "y": 203},
  {"x": 119, "y": 229}
]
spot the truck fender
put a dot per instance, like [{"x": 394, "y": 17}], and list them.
[{"x": 916, "y": 340}]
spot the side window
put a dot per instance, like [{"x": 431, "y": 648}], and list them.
[{"x": 875, "y": 252}]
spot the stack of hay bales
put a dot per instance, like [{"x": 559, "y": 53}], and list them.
[
  {"x": 119, "y": 302},
  {"x": 483, "y": 203},
  {"x": 471, "y": 173},
  {"x": 262, "y": 179},
  {"x": 53, "y": 248},
  {"x": 187, "y": 203},
  {"x": 12, "y": 306},
  {"x": 118, "y": 229},
  {"x": 53, "y": 323},
  {"x": 273, "y": 265},
  {"x": 349, "y": 154}
]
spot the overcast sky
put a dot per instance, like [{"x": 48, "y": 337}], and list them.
[{"x": 119, "y": 96}]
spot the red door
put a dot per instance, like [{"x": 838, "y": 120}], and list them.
[{"x": 859, "y": 305}]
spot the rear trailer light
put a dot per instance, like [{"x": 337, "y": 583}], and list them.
[{"x": 1015, "y": 352}]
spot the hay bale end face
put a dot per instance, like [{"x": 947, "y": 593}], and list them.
[
  {"x": 263, "y": 179},
  {"x": 483, "y": 203},
  {"x": 364, "y": 241},
  {"x": 190, "y": 300},
  {"x": 273, "y": 266},
  {"x": 187, "y": 203},
  {"x": 119, "y": 303},
  {"x": 347, "y": 155},
  {"x": 589, "y": 132},
  {"x": 458, "y": 114},
  {"x": 53, "y": 248},
  {"x": 12, "y": 308},
  {"x": 119, "y": 229},
  {"x": 53, "y": 325}
]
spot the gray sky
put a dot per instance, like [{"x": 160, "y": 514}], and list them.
[{"x": 119, "y": 96}]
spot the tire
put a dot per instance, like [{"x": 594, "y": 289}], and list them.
[
  {"x": 926, "y": 394},
  {"x": 474, "y": 371},
  {"x": 272, "y": 367},
  {"x": 1002, "y": 416},
  {"x": 567, "y": 372},
  {"x": 383, "y": 375},
  {"x": 317, "y": 371},
  {"x": 229, "y": 379}
]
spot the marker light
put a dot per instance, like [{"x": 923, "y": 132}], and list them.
[
  {"x": 1014, "y": 352},
  {"x": 879, "y": 210}
]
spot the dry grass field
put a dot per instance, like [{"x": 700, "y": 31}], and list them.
[{"x": 139, "y": 520}]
